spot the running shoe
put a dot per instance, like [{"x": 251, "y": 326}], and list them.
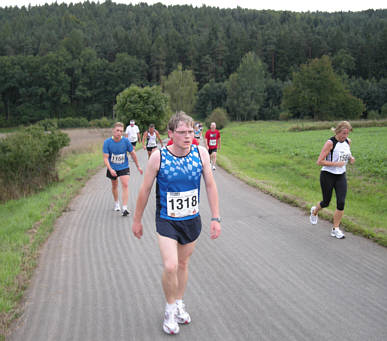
[
  {"x": 182, "y": 316},
  {"x": 313, "y": 218},
  {"x": 337, "y": 233},
  {"x": 170, "y": 325},
  {"x": 213, "y": 167},
  {"x": 117, "y": 207},
  {"x": 125, "y": 213}
]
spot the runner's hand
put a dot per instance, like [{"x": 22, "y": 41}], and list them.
[
  {"x": 140, "y": 170},
  {"x": 215, "y": 229},
  {"x": 113, "y": 172},
  {"x": 137, "y": 230}
]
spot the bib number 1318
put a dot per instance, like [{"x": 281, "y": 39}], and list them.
[{"x": 182, "y": 204}]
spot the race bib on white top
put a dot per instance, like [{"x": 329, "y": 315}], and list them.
[
  {"x": 182, "y": 204},
  {"x": 117, "y": 159},
  {"x": 212, "y": 143}
]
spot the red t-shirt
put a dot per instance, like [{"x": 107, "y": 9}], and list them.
[
  {"x": 194, "y": 141},
  {"x": 212, "y": 138}
]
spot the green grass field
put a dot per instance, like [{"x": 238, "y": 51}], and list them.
[
  {"x": 283, "y": 163},
  {"x": 26, "y": 223}
]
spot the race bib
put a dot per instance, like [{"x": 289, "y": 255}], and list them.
[
  {"x": 133, "y": 138},
  {"x": 152, "y": 144},
  {"x": 343, "y": 156},
  {"x": 212, "y": 143},
  {"x": 182, "y": 204},
  {"x": 117, "y": 159}
]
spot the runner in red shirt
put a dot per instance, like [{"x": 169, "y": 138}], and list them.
[{"x": 213, "y": 143}]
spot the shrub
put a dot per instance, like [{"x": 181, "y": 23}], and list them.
[
  {"x": 383, "y": 113},
  {"x": 219, "y": 116},
  {"x": 73, "y": 122},
  {"x": 101, "y": 123},
  {"x": 373, "y": 115},
  {"x": 27, "y": 160},
  {"x": 48, "y": 123}
]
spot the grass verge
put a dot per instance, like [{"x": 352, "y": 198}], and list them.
[
  {"x": 26, "y": 223},
  {"x": 282, "y": 163}
]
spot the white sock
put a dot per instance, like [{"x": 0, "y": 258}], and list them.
[
  {"x": 179, "y": 302},
  {"x": 117, "y": 203},
  {"x": 170, "y": 307},
  {"x": 124, "y": 208}
]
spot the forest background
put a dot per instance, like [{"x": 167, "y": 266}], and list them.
[{"x": 59, "y": 60}]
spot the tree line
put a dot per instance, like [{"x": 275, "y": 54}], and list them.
[{"x": 73, "y": 60}]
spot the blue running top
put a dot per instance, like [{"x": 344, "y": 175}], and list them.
[
  {"x": 178, "y": 185},
  {"x": 118, "y": 157}
]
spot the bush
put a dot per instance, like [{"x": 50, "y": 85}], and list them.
[
  {"x": 27, "y": 160},
  {"x": 219, "y": 116},
  {"x": 73, "y": 122},
  {"x": 284, "y": 116},
  {"x": 48, "y": 123},
  {"x": 373, "y": 115},
  {"x": 101, "y": 123},
  {"x": 383, "y": 113}
]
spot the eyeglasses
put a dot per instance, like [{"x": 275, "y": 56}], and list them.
[{"x": 184, "y": 132}]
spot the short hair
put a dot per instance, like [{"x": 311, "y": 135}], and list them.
[
  {"x": 341, "y": 126},
  {"x": 151, "y": 125},
  {"x": 180, "y": 116},
  {"x": 118, "y": 124}
]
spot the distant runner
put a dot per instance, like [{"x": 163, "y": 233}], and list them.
[
  {"x": 149, "y": 139},
  {"x": 133, "y": 133},
  {"x": 334, "y": 157},
  {"x": 115, "y": 157},
  {"x": 213, "y": 143},
  {"x": 197, "y": 132},
  {"x": 177, "y": 169}
]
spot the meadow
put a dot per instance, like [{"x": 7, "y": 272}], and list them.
[
  {"x": 27, "y": 222},
  {"x": 281, "y": 161}
]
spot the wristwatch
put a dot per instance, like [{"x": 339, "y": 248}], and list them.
[{"x": 216, "y": 219}]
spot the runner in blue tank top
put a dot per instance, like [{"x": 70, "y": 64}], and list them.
[
  {"x": 115, "y": 157},
  {"x": 177, "y": 169}
]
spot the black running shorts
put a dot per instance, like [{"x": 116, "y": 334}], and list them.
[
  {"x": 149, "y": 149},
  {"x": 214, "y": 150},
  {"x": 183, "y": 231},
  {"x": 121, "y": 172}
]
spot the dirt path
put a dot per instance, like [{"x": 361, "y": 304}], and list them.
[{"x": 270, "y": 276}]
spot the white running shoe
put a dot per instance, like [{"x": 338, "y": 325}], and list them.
[
  {"x": 337, "y": 233},
  {"x": 170, "y": 325},
  {"x": 313, "y": 218},
  {"x": 182, "y": 316},
  {"x": 117, "y": 207},
  {"x": 213, "y": 167}
]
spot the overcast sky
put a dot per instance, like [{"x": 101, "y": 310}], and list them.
[{"x": 290, "y": 5}]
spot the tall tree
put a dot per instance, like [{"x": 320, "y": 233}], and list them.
[
  {"x": 181, "y": 87},
  {"x": 246, "y": 89},
  {"x": 317, "y": 92}
]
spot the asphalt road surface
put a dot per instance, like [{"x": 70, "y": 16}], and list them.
[{"x": 270, "y": 276}]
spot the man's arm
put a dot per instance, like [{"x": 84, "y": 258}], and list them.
[
  {"x": 134, "y": 157},
  {"x": 107, "y": 164},
  {"x": 218, "y": 142},
  {"x": 143, "y": 194},
  {"x": 212, "y": 192},
  {"x": 144, "y": 139}
]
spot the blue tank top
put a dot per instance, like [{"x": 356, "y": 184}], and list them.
[{"x": 178, "y": 185}]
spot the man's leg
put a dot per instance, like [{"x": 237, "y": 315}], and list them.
[
  {"x": 169, "y": 255},
  {"x": 184, "y": 253},
  {"x": 125, "y": 189},
  {"x": 213, "y": 158},
  {"x": 115, "y": 189}
]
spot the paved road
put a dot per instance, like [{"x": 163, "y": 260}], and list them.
[{"x": 271, "y": 275}]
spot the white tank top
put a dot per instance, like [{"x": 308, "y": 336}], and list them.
[
  {"x": 342, "y": 152},
  {"x": 151, "y": 140}
]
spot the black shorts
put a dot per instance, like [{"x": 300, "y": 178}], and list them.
[
  {"x": 134, "y": 143},
  {"x": 121, "y": 172},
  {"x": 214, "y": 150},
  {"x": 183, "y": 231},
  {"x": 149, "y": 149}
]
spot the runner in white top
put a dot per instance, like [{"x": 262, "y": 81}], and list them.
[
  {"x": 133, "y": 133},
  {"x": 149, "y": 139},
  {"x": 334, "y": 157}
]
